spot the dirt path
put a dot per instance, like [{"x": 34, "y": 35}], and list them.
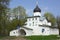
[{"x": 13, "y": 38}]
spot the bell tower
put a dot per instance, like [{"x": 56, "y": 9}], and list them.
[{"x": 37, "y": 10}]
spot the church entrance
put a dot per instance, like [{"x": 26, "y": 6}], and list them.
[{"x": 22, "y": 32}]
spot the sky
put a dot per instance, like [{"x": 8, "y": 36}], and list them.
[{"x": 52, "y": 6}]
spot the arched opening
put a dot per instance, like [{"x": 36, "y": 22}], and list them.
[{"x": 22, "y": 32}]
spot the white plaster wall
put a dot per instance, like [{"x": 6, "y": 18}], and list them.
[
  {"x": 30, "y": 22},
  {"x": 36, "y": 21},
  {"x": 29, "y": 32},
  {"x": 45, "y": 22},
  {"x": 54, "y": 31},
  {"x": 37, "y": 14},
  {"x": 47, "y": 31},
  {"x": 17, "y": 33},
  {"x": 14, "y": 33},
  {"x": 49, "y": 23},
  {"x": 38, "y": 31}
]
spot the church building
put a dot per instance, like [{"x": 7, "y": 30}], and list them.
[{"x": 36, "y": 25}]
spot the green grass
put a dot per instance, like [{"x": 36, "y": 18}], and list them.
[{"x": 51, "y": 37}]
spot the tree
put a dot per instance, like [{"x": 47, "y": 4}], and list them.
[
  {"x": 50, "y": 17},
  {"x": 12, "y": 24},
  {"x": 3, "y": 6},
  {"x": 19, "y": 11},
  {"x": 20, "y": 15},
  {"x": 58, "y": 23}
]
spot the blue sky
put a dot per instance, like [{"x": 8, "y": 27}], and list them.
[{"x": 52, "y": 6}]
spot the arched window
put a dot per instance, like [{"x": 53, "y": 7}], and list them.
[{"x": 43, "y": 30}]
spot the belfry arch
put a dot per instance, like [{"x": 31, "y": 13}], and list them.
[{"x": 22, "y": 32}]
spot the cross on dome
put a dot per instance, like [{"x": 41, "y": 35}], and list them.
[{"x": 37, "y": 9}]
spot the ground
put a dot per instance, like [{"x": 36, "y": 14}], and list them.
[{"x": 51, "y": 37}]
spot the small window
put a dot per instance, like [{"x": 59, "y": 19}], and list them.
[
  {"x": 36, "y": 18},
  {"x": 30, "y": 24},
  {"x": 43, "y": 30},
  {"x": 14, "y": 32},
  {"x": 33, "y": 23}
]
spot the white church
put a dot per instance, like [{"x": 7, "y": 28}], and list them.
[{"x": 35, "y": 25}]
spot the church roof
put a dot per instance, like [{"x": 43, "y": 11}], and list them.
[
  {"x": 27, "y": 28},
  {"x": 37, "y": 9},
  {"x": 48, "y": 26},
  {"x": 42, "y": 18},
  {"x": 33, "y": 16}
]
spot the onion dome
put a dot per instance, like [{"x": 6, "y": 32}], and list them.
[{"x": 37, "y": 9}]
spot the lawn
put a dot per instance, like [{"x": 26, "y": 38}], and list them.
[{"x": 51, "y": 37}]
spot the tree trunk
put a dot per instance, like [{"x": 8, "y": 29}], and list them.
[{"x": 59, "y": 31}]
